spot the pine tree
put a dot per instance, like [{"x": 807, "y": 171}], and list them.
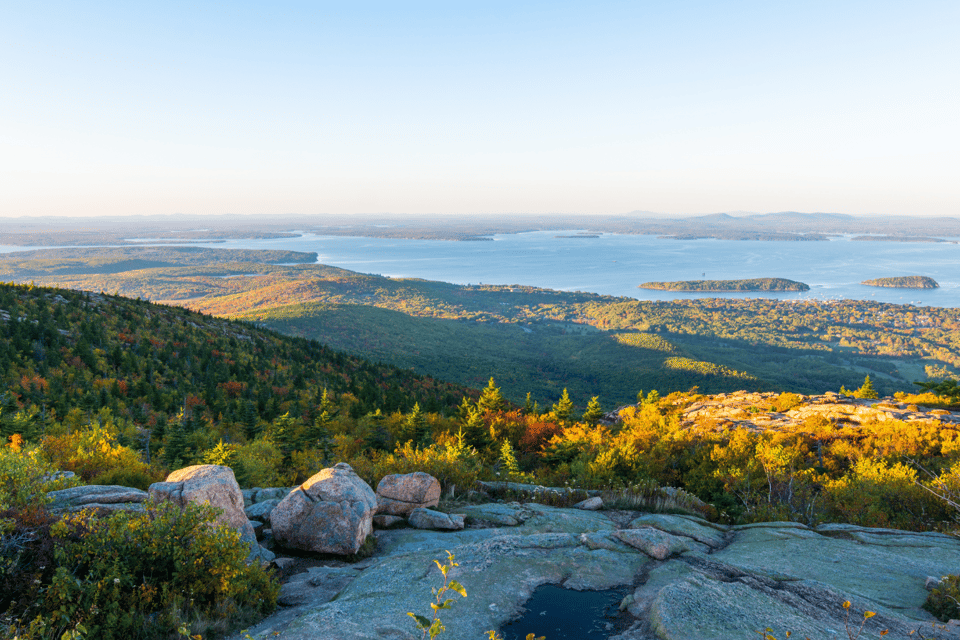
[
  {"x": 465, "y": 409},
  {"x": 867, "y": 391},
  {"x": 475, "y": 430},
  {"x": 564, "y": 407},
  {"x": 326, "y": 407},
  {"x": 594, "y": 412},
  {"x": 416, "y": 426},
  {"x": 509, "y": 459},
  {"x": 376, "y": 435},
  {"x": 491, "y": 399},
  {"x": 175, "y": 449}
]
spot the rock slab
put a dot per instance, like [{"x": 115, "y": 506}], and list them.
[
  {"x": 332, "y": 512},
  {"x": 732, "y": 582},
  {"x": 108, "y": 497},
  {"x": 430, "y": 519},
  {"x": 399, "y": 494}
]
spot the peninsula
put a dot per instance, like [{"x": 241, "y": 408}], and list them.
[
  {"x": 903, "y": 282},
  {"x": 755, "y": 284}
]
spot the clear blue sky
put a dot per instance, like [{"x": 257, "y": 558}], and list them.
[{"x": 461, "y": 107}]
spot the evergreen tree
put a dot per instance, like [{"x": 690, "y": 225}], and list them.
[
  {"x": 283, "y": 432},
  {"x": 594, "y": 412},
  {"x": 175, "y": 449},
  {"x": 222, "y": 454},
  {"x": 528, "y": 405},
  {"x": 491, "y": 399},
  {"x": 509, "y": 459},
  {"x": 317, "y": 436},
  {"x": 376, "y": 435},
  {"x": 251, "y": 420},
  {"x": 475, "y": 430},
  {"x": 564, "y": 407},
  {"x": 326, "y": 407},
  {"x": 465, "y": 409},
  {"x": 416, "y": 426},
  {"x": 867, "y": 391}
]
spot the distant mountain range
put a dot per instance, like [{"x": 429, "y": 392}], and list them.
[{"x": 783, "y": 225}]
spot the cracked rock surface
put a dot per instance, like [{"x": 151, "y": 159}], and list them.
[{"x": 689, "y": 578}]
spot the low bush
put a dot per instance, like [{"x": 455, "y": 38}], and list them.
[
  {"x": 26, "y": 477},
  {"x": 944, "y": 600},
  {"x": 454, "y": 465},
  {"x": 878, "y": 494},
  {"x": 93, "y": 452},
  {"x": 148, "y": 575}
]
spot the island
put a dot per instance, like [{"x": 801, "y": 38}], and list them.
[
  {"x": 755, "y": 284},
  {"x": 899, "y": 239},
  {"x": 903, "y": 282}
]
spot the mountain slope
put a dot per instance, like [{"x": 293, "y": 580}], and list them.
[{"x": 64, "y": 350}]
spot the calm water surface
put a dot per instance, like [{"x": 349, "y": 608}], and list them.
[{"x": 615, "y": 264}]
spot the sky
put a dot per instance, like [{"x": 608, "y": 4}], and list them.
[{"x": 469, "y": 107}]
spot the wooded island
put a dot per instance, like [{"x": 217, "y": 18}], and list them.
[
  {"x": 903, "y": 282},
  {"x": 755, "y": 284}
]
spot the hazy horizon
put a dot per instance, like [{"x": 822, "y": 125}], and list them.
[{"x": 478, "y": 215}]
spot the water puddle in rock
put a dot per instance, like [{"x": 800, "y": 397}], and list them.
[{"x": 565, "y": 614}]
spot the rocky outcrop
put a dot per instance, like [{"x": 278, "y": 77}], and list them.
[
  {"x": 755, "y": 411},
  {"x": 257, "y": 495},
  {"x": 657, "y": 544},
  {"x": 99, "y": 497},
  {"x": 216, "y": 486},
  {"x": 385, "y": 522},
  {"x": 332, "y": 512},
  {"x": 399, "y": 494},
  {"x": 262, "y": 510},
  {"x": 590, "y": 504},
  {"x": 686, "y": 577},
  {"x": 430, "y": 519}
]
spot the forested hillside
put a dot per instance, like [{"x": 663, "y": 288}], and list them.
[
  {"x": 531, "y": 340},
  {"x": 173, "y": 381}
]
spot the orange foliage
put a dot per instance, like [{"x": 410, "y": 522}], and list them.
[
  {"x": 16, "y": 442},
  {"x": 537, "y": 433},
  {"x": 33, "y": 383},
  {"x": 233, "y": 388}
]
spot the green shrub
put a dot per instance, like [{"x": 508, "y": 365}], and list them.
[
  {"x": 944, "y": 601},
  {"x": 25, "y": 477},
  {"x": 454, "y": 465},
  {"x": 149, "y": 574},
  {"x": 139, "y": 477},
  {"x": 258, "y": 464}
]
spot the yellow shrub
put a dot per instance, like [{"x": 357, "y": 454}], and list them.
[
  {"x": 454, "y": 465},
  {"x": 92, "y": 452},
  {"x": 878, "y": 494}
]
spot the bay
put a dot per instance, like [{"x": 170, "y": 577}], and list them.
[{"x": 614, "y": 264}]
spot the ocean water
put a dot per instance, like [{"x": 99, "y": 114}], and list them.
[{"x": 615, "y": 264}]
